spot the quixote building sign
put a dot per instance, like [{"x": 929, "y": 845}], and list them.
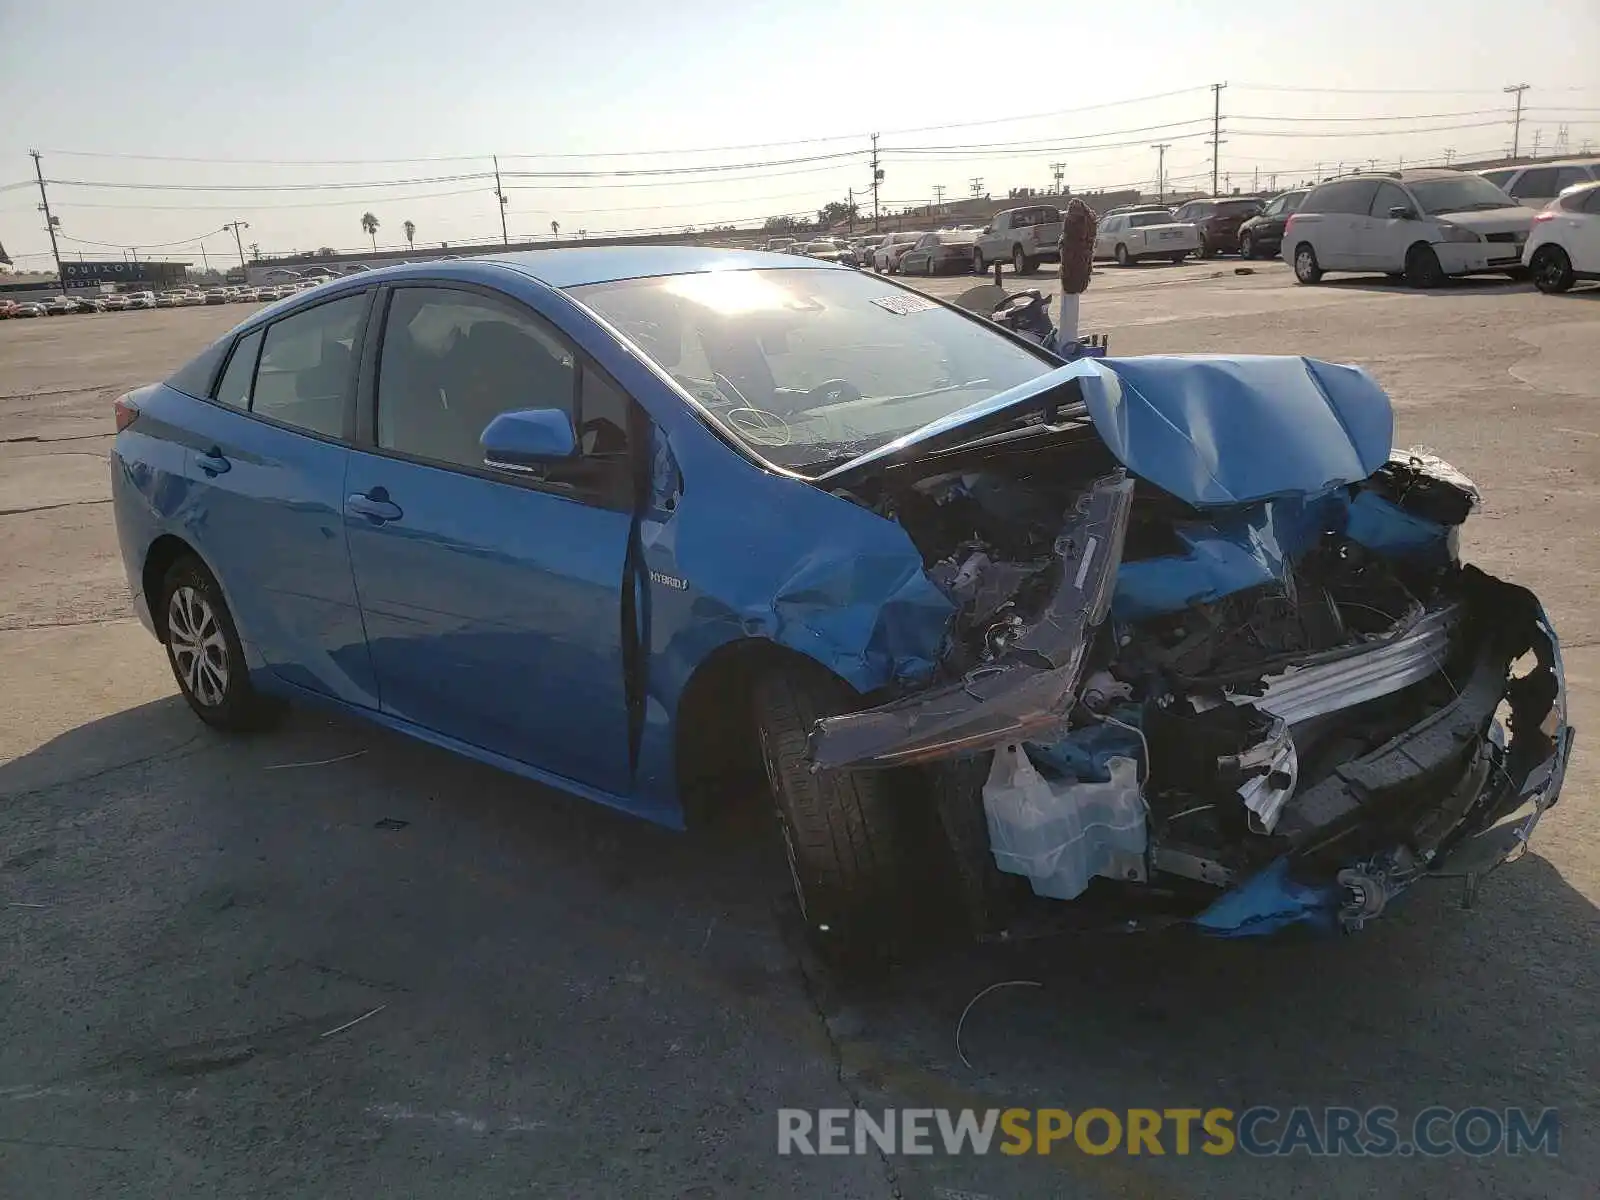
[{"x": 85, "y": 274}]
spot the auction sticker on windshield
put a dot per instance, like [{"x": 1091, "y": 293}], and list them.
[{"x": 901, "y": 305}]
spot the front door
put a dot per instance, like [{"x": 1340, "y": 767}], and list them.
[
  {"x": 493, "y": 604},
  {"x": 1384, "y": 239}
]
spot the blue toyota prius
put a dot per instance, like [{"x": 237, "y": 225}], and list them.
[{"x": 1183, "y": 632}]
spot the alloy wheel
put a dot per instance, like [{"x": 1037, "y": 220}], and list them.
[{"x": 198, "y": 646}]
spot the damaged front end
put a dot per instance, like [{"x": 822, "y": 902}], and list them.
[{"x": 1214, "y": 647}]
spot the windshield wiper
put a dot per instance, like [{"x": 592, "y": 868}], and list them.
[{"x": 938, "y": 391}]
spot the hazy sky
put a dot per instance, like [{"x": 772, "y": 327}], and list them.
[{"x": 90, "y": 82}]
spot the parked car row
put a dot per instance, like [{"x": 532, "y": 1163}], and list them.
[
  {"x": 53, "y": 306},
  {"x": 1426, "y": 225}
]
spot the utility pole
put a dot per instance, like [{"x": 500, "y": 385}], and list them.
[
  {"x": 1516, "y": 120},
  {"x": 1537, "y": 134},
  {"x": 1161, "y": 149},
  {"x": 1449, "y": 155},
  {"x": 975, "y": 186},
  {"x": 236, "y": 226},
  {"x": 850, "y": 208},
  {"x": 1059, "y": 170},
  {"x": 938, "y": 197},
  {"x": 877, "y": 178},
  {"x": 1216, "y": 131},
  {"x": 49, "y": 221},
  {"x": 500, "y": 195}
]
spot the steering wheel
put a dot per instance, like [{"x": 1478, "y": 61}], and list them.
[
  {"x": 833, "y": 391},
  {"x": 759, "y": 426}
]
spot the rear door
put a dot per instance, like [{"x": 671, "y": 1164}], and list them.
[
  {"x": 1580, "y": 231},
  {"x": 493, "y": 602},
  {"x": 1344, "y": 210},
  {"x": 267, "y": 472}
]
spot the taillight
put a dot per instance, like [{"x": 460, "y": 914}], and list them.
[
  {"x": 1289, "y": 224},
  {"x": 1543, "y": 216},
  {"x": 127, "y": 412}
]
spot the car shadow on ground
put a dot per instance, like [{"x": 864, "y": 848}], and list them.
[
  {"x": 1456, "y": 286},
  {"x": 442, "y": 878}
]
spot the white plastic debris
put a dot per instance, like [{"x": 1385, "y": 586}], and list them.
[{"x": 1059, "y": 835}]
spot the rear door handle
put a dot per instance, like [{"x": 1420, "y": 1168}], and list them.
[
  {"x": 374, "y": 505},
  {"x": 213, "y": 462}
]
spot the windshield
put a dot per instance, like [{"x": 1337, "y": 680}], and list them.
[
  {"x": 812, "y": 367},
  {"x": 1460, "y": 193},
  {"x": 1232, "y": 208}
]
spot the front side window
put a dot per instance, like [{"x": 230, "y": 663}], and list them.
[
  {"x": 234, "y": 387},
  {"x": 1499, "y": 178},
  {"x": 453, "y": 360},
  {"x": 308, "y": 364},
  {"x": 808, "y": 367},
  {"x": 1389, "y": 197},
  {"x": 1539, "y": 181}
]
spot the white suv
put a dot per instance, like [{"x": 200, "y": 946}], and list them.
[
  {"x": 1537, "y": 184},
  {"x": 1423, "y": 225}
]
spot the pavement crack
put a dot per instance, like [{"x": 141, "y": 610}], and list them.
[
  {"x": 12, "y": 512},
  {"x": 173, "y": 753},
  {"x": 45, "y": 441},
  {"x": 809, "y": 985}
]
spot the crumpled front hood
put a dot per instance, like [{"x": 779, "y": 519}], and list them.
[{"x": 1213, "y": 430}]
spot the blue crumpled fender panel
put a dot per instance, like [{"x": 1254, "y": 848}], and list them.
[{"x": 1226, "y": 430}]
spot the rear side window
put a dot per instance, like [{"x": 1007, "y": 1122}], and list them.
[
  {"x": 1499, "y": 178},
  {"x": 234, "y": 387},
  {"x": 196, "y": 376},
  {"x": 1345, "y": 196},
  {"x": 306, "y": 376},
  {"x": 1138, "y": 220}
]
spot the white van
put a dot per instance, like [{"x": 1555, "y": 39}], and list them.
[{"x": 1423, "y": 225}]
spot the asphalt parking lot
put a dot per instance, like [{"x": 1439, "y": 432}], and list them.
[{"x": 551, "y": 1000}]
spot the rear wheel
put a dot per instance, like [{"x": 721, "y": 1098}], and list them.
[
  {"x": 928, "y": 270},
  {"x": 1422, "y": 267},
  {"x": 1552, "y": 269},
  {"x": 1306, "y": 269},
  {"x": 1021, "y": 263},
  {"x": 1203, "y": 250},
  {"x": 840, "y": 829},
  {"x": 1179, "y": 256},
  {"x": 1247, "y": 247},
  {"x": 977, "y": 262},
  {"x": 204, "y": 651},
  {"x": 1124, "y": 259}
]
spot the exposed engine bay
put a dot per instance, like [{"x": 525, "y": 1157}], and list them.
[{"x": 1309, "y": 690}]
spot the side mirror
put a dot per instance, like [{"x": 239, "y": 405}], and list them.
[
  {"x": 1402, "y": 212},
  {"x": 527, "y": 439},
  {"x": 988, "y": 229}
]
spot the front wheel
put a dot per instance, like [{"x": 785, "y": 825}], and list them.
[
  {"x": 840, "y": 828},
  {"x": 1203, "y": 250},
  {"x": 1552, "y": 270},
  {"x": 1422, "y": 267},
  {"x": 204, "y": 651},
  {"x": 1247, "y": 248},
  {"x": 928, "y": 270},
  {"x": 1179, "y": 256},
  {"x": 1306, "y": 269},
  {"x": 1021, "y": 263},
  {"x": 1124, "y": 259},
  {"x": 977, "y": 262}
]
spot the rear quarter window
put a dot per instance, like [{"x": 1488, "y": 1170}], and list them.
[{"x": 197, "y": 375}]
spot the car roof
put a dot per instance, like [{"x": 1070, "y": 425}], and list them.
[{"x": 579, "y": 265}]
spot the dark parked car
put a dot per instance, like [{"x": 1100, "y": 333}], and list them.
[
  {"x": 631, "y": 521},
  {"x": 942, "y": 250},
  {"x": 1218, "y": 220},
  {"x": 1262, "y": 235}
]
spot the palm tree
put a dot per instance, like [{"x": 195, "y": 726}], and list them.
[
  {"x": 369, "y": 225},
  {"x": 411, "y": 234},
  {"x": 555, "y": 229}
]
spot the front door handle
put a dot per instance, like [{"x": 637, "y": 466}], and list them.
[
  {"x": 374, "y": 505},
  {"x": 213, "y": 462}
]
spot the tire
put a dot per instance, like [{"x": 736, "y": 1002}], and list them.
[
  {"x": 1552, "y": 270},
  {"x": 1306, "y": 268},
  {"x": 1179, "y": 256},
  {"x": 204, "y": 652},
  {"x": 928, "y": 270},
  {"x": 1124, "y": 259},
  {"x": 1021, "y": 263},
  {"x": 1422, "y": 267},
  {"x": 984, "y": 896},
  {"x": 1203, "y": 250},
  {"x": 977, "y": 262},
  {"x": 840, "y": 829},
  {"x": 1247, "y": 247}
]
